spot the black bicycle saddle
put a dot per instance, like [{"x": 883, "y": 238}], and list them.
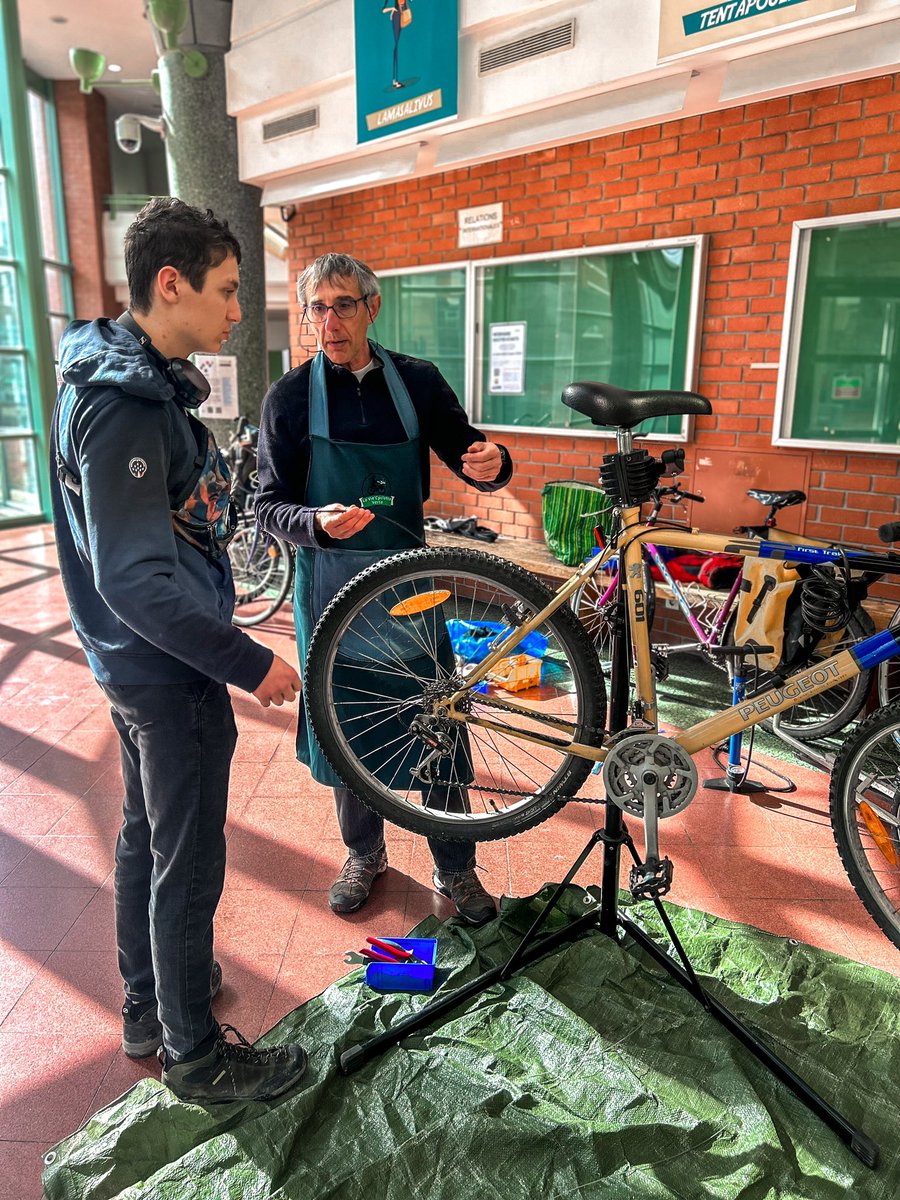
[
  {"x": 608, "y": 405},
  {"x": 777, "y": 499}
]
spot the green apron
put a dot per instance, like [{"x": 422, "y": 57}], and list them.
[{"x": 387, "y": 479}]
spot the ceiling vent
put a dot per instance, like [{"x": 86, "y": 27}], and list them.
[
  {"x": 545, "y": 41},
  {"x": 297, "y": 122}
]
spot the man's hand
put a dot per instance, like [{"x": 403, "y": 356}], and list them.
[
  {"x": 339, "y": 521},
  {"x": 282, "y": 683},
  {"x": 482, "y": 461}
]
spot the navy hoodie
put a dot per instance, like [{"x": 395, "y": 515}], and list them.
[{"x": 147, "y": 606}]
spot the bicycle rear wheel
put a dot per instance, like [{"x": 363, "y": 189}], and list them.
[
  {"x": 402, "y": 637},
  {"x": 865, "y": 815},
  {"x": 828, "y": 712},
  {"x": 263, "y": 570},
  {"x": 593, "y": 606}
]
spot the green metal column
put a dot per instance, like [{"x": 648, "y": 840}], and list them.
[{"x": 201, "y": 146}]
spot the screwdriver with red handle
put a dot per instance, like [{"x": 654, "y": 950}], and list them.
[{"x": 390, "y": 952}]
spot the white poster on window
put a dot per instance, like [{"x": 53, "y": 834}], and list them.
[
  {"x": 506, "y": 372},
  {"x": 221, "y": 371}
]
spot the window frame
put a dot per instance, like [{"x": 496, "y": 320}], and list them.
[
  {"x": 474, "y": 341},
  {"x": 794, "y": 307}
]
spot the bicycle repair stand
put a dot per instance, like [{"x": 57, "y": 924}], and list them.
[
  {"x": 608, "y": 919},
  {"x": 736, "y": 778}
]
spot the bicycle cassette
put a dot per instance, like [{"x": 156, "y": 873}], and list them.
[{"x": 647, "y": 766}]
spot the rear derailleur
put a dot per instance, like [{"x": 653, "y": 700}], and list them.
[{"x": 435, "y": 733}]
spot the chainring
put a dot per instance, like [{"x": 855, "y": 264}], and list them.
[{"x": 635, "y": 759}]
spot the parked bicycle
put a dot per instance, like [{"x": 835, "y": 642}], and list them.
[
  {"x": 713, "y": 619},
  {"x": 262, "y": 565},
  {"x": 444, "y": 746}
]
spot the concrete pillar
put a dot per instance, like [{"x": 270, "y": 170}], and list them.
[{"x": 201, "y": 148}]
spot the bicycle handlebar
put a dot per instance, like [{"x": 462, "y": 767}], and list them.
[
  {"x": 889, "y": 531},
  {"x": 677, "y": 494}
]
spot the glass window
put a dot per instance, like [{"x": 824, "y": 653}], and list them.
[
  {"x": 6, "y": 247},
  {"x": 10, "y": 323},
  {"x": 423, "y": 314},
  {"x": 19, "y": 494},
  {"x": 35, "y": 283},
  {"x": 842, "y": 384},
  {"x": 15, "y": 410},
  {"x": 39, "y": 113},
  {"x": 621, "y": 316}
]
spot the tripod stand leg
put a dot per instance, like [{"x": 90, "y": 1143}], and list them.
[{"x": 862, "y": 1146}]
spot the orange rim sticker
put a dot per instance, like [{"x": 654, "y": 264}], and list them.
[
  {"x": 418, "y": 604},
  {"x": 879, "y": 833}
]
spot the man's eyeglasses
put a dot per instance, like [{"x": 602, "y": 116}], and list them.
[{"x": 345, "y": 308}]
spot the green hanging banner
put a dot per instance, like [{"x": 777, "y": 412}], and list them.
[{"x": 407, "y": 64}]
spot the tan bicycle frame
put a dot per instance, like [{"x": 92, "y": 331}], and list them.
[{"x": 709, "y": 732}]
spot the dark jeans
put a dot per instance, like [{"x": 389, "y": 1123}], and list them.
[
  {"x": 176, "y": 743},
  {"x": 363, "y": 832}
]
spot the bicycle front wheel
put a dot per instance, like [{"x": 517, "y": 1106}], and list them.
[
  {"x": 401, "y": 638},
  {"x": 888, "y": 672},
  {"x": 263, "y": 570},
  {"x": 865, "y": 815}
]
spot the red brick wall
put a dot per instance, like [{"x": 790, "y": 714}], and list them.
[
  {"x": 84, "y": 151},
  {"x": 742, "y": 176}
]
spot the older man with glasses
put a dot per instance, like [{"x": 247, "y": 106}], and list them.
[{"x": 344, "y": 436}]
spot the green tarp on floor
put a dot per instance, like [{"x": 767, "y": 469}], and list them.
[{"x": 592, "y": 1075}]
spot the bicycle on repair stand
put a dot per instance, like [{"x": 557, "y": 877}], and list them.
[{"x": 455, "y": 749}]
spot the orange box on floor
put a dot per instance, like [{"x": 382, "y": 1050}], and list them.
[{"x": 516, "y": 672}]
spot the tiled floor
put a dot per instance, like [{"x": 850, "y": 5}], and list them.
[{"x": 770, "y": 862}]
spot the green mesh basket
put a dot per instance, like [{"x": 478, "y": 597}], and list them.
[{"x": 571, "y": 510}]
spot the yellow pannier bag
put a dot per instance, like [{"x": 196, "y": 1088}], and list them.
[{"x": 766, "y": 588}]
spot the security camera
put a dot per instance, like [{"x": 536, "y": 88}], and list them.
[{"x": 128, "y": 130}]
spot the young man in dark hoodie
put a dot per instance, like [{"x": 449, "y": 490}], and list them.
[{"x": 141, "y": 509}]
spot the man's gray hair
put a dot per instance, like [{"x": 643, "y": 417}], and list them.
[{"x": 328, "y": 268}]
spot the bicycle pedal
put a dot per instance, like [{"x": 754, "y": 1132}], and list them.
[{"x": 650, "y": 880}]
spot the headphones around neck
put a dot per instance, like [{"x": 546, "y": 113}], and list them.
[{"x": 190, "y": 384}]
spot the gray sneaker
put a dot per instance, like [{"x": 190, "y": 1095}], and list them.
[
  {"x": 351, "y": 889},
  {"x": 235, "y": 1071},
  {"x": 464, "y": 888},
  {"x": 141, "y": 1030}
]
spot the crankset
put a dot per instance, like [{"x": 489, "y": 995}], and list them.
[{"x": 651, "y": 777}]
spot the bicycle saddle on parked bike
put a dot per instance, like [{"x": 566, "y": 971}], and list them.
[
  {"x": 608, "y": 405},
  {"x": 777, "y": 499}
]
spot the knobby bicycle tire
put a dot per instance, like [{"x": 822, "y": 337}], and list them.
[
  {"x": 383, "y": 652},
  {"x": 830, "y": 711},
  {"x": 865, "y": 773}
]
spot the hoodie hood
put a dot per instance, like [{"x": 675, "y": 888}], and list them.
[{"x": 103, "y": 353}]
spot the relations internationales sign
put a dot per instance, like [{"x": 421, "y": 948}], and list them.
[
  {"x": 689, "y": 25},
  {"x": 407, "y": 64}
]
